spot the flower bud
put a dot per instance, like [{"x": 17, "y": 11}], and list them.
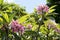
[{"x": 29, "y": 26}]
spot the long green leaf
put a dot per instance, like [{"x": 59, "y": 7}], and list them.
[
  {"x": 1, "y": 20},
  {"x": 5, "y": 16},
  {"x": 52, "y": 10},
  {"x": 52, "y": 6},
  {"x": 23, "y": 18}
]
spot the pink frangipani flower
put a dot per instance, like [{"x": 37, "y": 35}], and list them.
[
  {"x": 16, "y": 27},
  {"x": 42, "y": 8},
  {"x": 57, "y": 30}
]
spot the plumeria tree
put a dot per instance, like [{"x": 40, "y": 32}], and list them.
[{"x": 16, "y": 24}]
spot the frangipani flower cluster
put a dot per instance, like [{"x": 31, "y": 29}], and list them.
[
  {"x": 57, "y": 30},
  {"x": 54, "y": 27},
  {"x": 42, "y": 8},
  {"x": 52, "y": 24},
  {"x": 16, "y": 27}
]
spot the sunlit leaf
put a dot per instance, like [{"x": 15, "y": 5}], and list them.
[
  {"x": 35, "y": 26},
  {"x": 52, "y": 10},
  {"x": 52, "y": 7},
  {"x": 1, "y": 20},
  {"x": 23, "y": 18},
  {"x": 1, "y": 1},
  {"x": 5, "y": 16},
  {"x": 11, "y": 16},
  {"x": 9, "y": 9}
]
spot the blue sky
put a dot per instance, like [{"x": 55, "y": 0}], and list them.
[{"x": 29, "y": 4}]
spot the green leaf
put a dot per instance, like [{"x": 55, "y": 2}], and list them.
[
  {"x": 9, "y": 9},
  {"x": 43, "y": 29},
  {"x": 5, "y": 16},
  {"x": 1, "y": 1},
  {"x": 50, "y": 11},
  {"x": 1, "y": 20},
  {"x": 30, "y": 32},
  {"x": 23, "y": 18},
  {"x": 52, "y": 7},
  {"x": 16, "y": 36},
  {"x": 11, "y": 17},
  {"x": 34, "y": 27}
]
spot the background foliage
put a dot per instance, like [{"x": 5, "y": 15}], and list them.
[{"x": 55, "y": 2}]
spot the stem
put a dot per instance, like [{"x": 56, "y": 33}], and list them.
[
  {"x": 6, "y": 30},
  {"x": 33, "y": 38},
  {"x": 41, "y": 22},
  {"x": 6, "y": 33},
  {"x": 36, "y": 38}
]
